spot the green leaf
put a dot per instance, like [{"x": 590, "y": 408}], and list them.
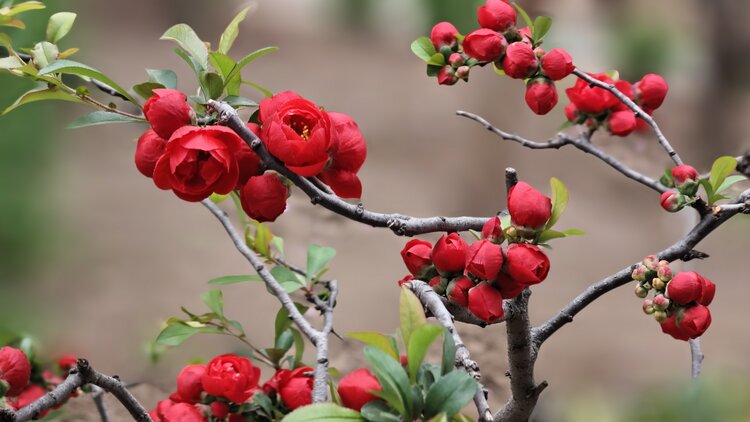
[
  {"x": 282, "y": 323},
  {"x": 11, "y": 62},
  {"x": 317, "y": 259},
  {"x": 393, "y": 379},
  {"x": 613, "y": 74},
  {"x": 290, "y": 281},
  {"x": 59, "y": 25},
  {"x": 165, "y": 77},
  {"x": 75, "y": 68},
  {"x": 177, "y": 332},
  {"x": 212, "y": 84},
  {"x": 437, "y": 59},
  {"x": 265, "y": 92},
  {"x": 249, "y": 58},
  {"x": 44, "y": 53},
  {"x": 498, "y": 70},
  {"x": 299, "y": 346},
  {"x": 450, "y": 394},
  {"x": 722, "y": 167},
  {"x": 232, "y": 279},
  {"x": 186, "y": 38},
  {"x": 709, "y": 189},
  {"x": 449, "y": 353},
  {"x": 559, "y": 200},
  {"x": 263, "y": 238},
  {"x": 24, "y": 7},
  {"x": 433, "y": 70},
  {"x": 377, "y": 340},
  {"x": 146, "y": 89},
  {"x": 285, "y": 341},
  {"x": 237, "y": 102},
  {"x": 378, "y": 411},
  {"x": 40, "y": 94},
  {"x": 542, "y": 24},
  {"x": 574, "y": 232},
  {"x": 278, "y": 243},
  {"x": 411, "y": 315},
  {"x": 439, "y": 418},
  {"x": 231, "y": 32},
  {"x": 101, "y": 118},
  {"x": 524, "y": 16},
  {"x": 215, "y": 301},
  {"x": 549, "y": 234},
  {"x": 421, "y": 340},
  {"x": 422, "y": 47},
  {"x": 729, "y": 181},
  {"x": 667, "y": 179},
  {"x": 323, "y": 412}
]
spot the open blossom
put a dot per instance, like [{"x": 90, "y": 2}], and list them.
[
  {"x": 497, "y": 15},
  {"x": 231, "y": 376},
  {"x": 167, "y": 110},
  {"x": 355, "y": 389},
  {"x": 348, "y": 158},
  {"x": 590, "y": 99}
]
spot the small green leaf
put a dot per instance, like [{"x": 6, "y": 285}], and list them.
[
  {"x": 278, "y": 243},
  {"x": 231, "y": 32},
  {"x": 40, "y": 94},
  {"x": 101, "y": 118},
  {"x": 377, "y": 340},
  {"x": 290, "y": 281},
  {"x": 729, "y": 181},
  {"x": 323, "y": 412},
  {"x": 450, "y": 394},
  {"x": 411, "y": 314},
  {"x": 722, "y": 167},
  {"x": 559, "y": 200},
  {"x": 524, "y": 16},
  {"x": 249, "y": 59},
  {"x": 299, "y": 346},
  {"x": 285, "y": 340},
  {"x": 24, "y": 7},
  {"x": 282, "y": 323},
  {"x": 265, "y": 92},
  {"x": 186, "y": 38},
  {"x": 422, "y": 47},
  {"x": 613, "y": 74},
  {"x": 11, "y": 62},
  {"x": 667, "y": 179},
  {"x": 263, "y": 238},
  {"x": 574, "y": 232},
  {"x": 542, "y": 24},
  {"x": 146, "y": 89},
  {"x": 44, "y": 53},
  {"x": 498, "y": 70},
  {"x": 59, "y": 25},
  {"x": 232, "y": 279},
  {"x": 378, "y": 411},
  {"x": 212, "y": 84},
  {"x": 165, "y": 77},
  {"x": 437, "y": 59},
  {"x": 75, "y": 68},
  {"x": 393, "y": 379},
  {"x": 421, "y": 340},
  {"x": 439, "y": 418},
  {"x": 449, "y": 353},
  {"x": 237, "y": 102},
  {"x": 317, "y": 259},
  {"x": 177, "y": 332},
  {"x": 215, "y": 301}
]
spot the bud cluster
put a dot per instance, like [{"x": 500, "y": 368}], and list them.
[
  {"x": 514, "y": 51},
  {"x": 679, "y": 302},
  {"x": 479, "y": 276},
  {"x": 684, "y": 180}
]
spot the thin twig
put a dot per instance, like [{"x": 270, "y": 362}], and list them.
[
  {"x": 696, "y": 357},
  {"x": 98, "y": 397}
]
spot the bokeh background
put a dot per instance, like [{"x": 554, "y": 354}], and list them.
[{"x": 93, "y": 257}]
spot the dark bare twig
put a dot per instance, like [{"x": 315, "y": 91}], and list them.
[{"x": 98, "y": 397}]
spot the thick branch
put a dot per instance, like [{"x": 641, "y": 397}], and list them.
[
  {"x": 432, "y": 302},
  {"x": 402, "y": 225},
  {"x": 696, "y": 357}
]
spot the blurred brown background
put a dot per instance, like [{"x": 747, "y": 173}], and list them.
[{"x": 94, "y": 257}]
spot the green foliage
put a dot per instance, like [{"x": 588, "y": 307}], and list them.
[
  {"x": 560, "y": 199},
  {"x": 411, "y": 315},
  {"x": 377, "y": 340},
  {"x": 421, "y": 340},
  {"x": 317, "y": 259},
  {"x": 422, "y": 47},
  {"x": 166, "y": 78},
  {"x": 323, "y": 412},
  {"x": 450, "y": 394},
  {"x": 542, "y": 25},
  {"x": 231, "y": 32},
  {"x": 720, "y": 179},
  {"x": 100, "y": 118},
  {"x": 233, "y": 279},
  {"x": 40, "y": 94},
  {"x": 188, "y": 40},
  {"x": 524, "y": 16},
  {"x": 59, "y": 25},
  {"x": 75, "y": 68}
]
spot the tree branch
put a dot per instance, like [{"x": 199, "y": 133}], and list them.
[
  {"x": 696, "y": 357},
  {"x": 402, "y": 225},
  {"x": 98, "y": 397}
]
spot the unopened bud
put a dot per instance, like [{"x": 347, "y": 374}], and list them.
[
  {"x": 664, "y": 274},
  {"x": 463, "y": 73},
  {"x": 639, "y": 273},
  {"x": 640, "y": 291},
  {"x": 648, "y": 307},
  {"x": 658, "y": 284},
  {"x": 539, "y": 52},
  {"x": 456, "y": 59},
  {"x": 661, "y": 303},
  {"x": 673, "y": 201},
  {"x": 650, "y": 262},
  {"x": 439, "y": 284},
  {"x": 660, "y": 316}
]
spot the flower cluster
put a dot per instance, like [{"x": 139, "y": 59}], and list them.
[
  {"x": 516, "y": 51},
  {"x": 680, "y": 301},
  {"x": 228, "y": 389},
  {"x": 685, "y": 181},
  {"x": 197, "y": 161},
  {"x": 479, "y": 276},
  {"x": 595, "y": 107}
]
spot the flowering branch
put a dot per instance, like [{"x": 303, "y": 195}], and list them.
[
  {"x": 79, "y": 376},
  {"x": 696, "y": 356},
  {"x": 639, "y": 113},
  {"x": 402, "y": 225},
  {"x": 432, "y": 302}
]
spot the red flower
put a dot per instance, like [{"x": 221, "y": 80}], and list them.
[
  {"x": 297, "y": 132},
  {"x": 167, "y": 110},
  {"x": 527, "y": 206},
  {"x": 497, "y": 15},
  {"x": 183, "y": 412},
  {"x": 672, "y": 201},
  {"x": 571, "y": 112},
  {"x": 15, "y": 369},
  {"x": 509, "y": 288},
  {"x": 247, "y": 160},
  {"x": 651, "y": 90},
  {"x": 591, "y": 99},
  {"x": 621, "y": 123},
  {"x": 219, "y": 409},
  {"x": 446, "y": 76},
  {"x": 264, "y": 197},
  {"x": 484, "y": 45},
  {"x": 557, "y": 64},
  {"x": 416, "y": 256},
  {"x": 295, "y": 389},
  {"x": 527, "y": 264},
  {"x": 493, "y": 230},
  {"x": 232, "y": 377},
  {"x": 272, "y": 385},
  {"x": 484, "y": 260},
  {"x": 520, "y": 62},
  {"x": 29, "y": 395},
  {"x": 356, "y": 388},
  {"x": 695, "y": 321},
  {"x": 449, "y": 253},
  {"x": 148, "y": 151},
  {"x": 199, "y": 161},
  {"x": 686, "y": 287},
  {"x": 541, "y": 95},
  {"x": 458, "y": 290},
  {"x": 486, "y": 302},
  {"x": 709, "y": 291},
  {"x": 348, "y": 158},
  {"x": 65, "y": 362},
  {"x": 189, "y": 385},
  {"x": 684, "y": 173},
  {"x": 669, "y": 326},
  {"x": 443, "y": 34}
]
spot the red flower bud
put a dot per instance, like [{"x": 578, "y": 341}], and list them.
[
  {"x": 189, "y": 384},
  {"x": 685, "y": 287},
  {"x": 449, "y": 253},
  {"x": 709, "y": 291},
  {"x": 356, "y": 388},
  {"x": 590, "y": 99},
  {"x": 443, "y": 33},
  {"x": 520, "y": 62},
  {"x": 621, "y": 123},
  {"x": 148, "y": 151},
  {"x": 694, "y": 321},
  {"x": 541, "y": 95},
  {"x": 651, "y": 262},
  {"x": 672, "y": 201},
  {"x": 684, "y": 174},
  {"x": 29, "y": 395},
  {"x": 446, "y": 76},
  {"x": 527, "y": 264},
  {"x": 661, "y": 303},
  {"x": 219, "y": 409},
  {"x": 416, "y": 256},
  {"x": 493, "y": 231},
  {"x": 557, "y": 64},
  {"x": 528, "y": 207},
  {"x": 639, "y": 273},
  {"x": 264, "y": 197},
  {"x": 167, "y": 110},
  {"x": 456, "y": 59},
  {"x": 231, "y": 376},
  {"x": 486, "y": 302},
  {"x": 295, "y": 390},
  {"x": 65, "y": 362},
  {"x": 15, "y": 369},
  {"x": 571, "y": 112},
  {"x": 183, "y": 412},
  {"x": 509, "y": 288},
  {"x": 651, "y": 90},
  {"x": 463, "y": 73},
  {"x": 458, "y": 290},
  {"x": 484, "y": 45},
  {"x": 497, "y": 15},
  {"x": 484, "y": 260}
]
